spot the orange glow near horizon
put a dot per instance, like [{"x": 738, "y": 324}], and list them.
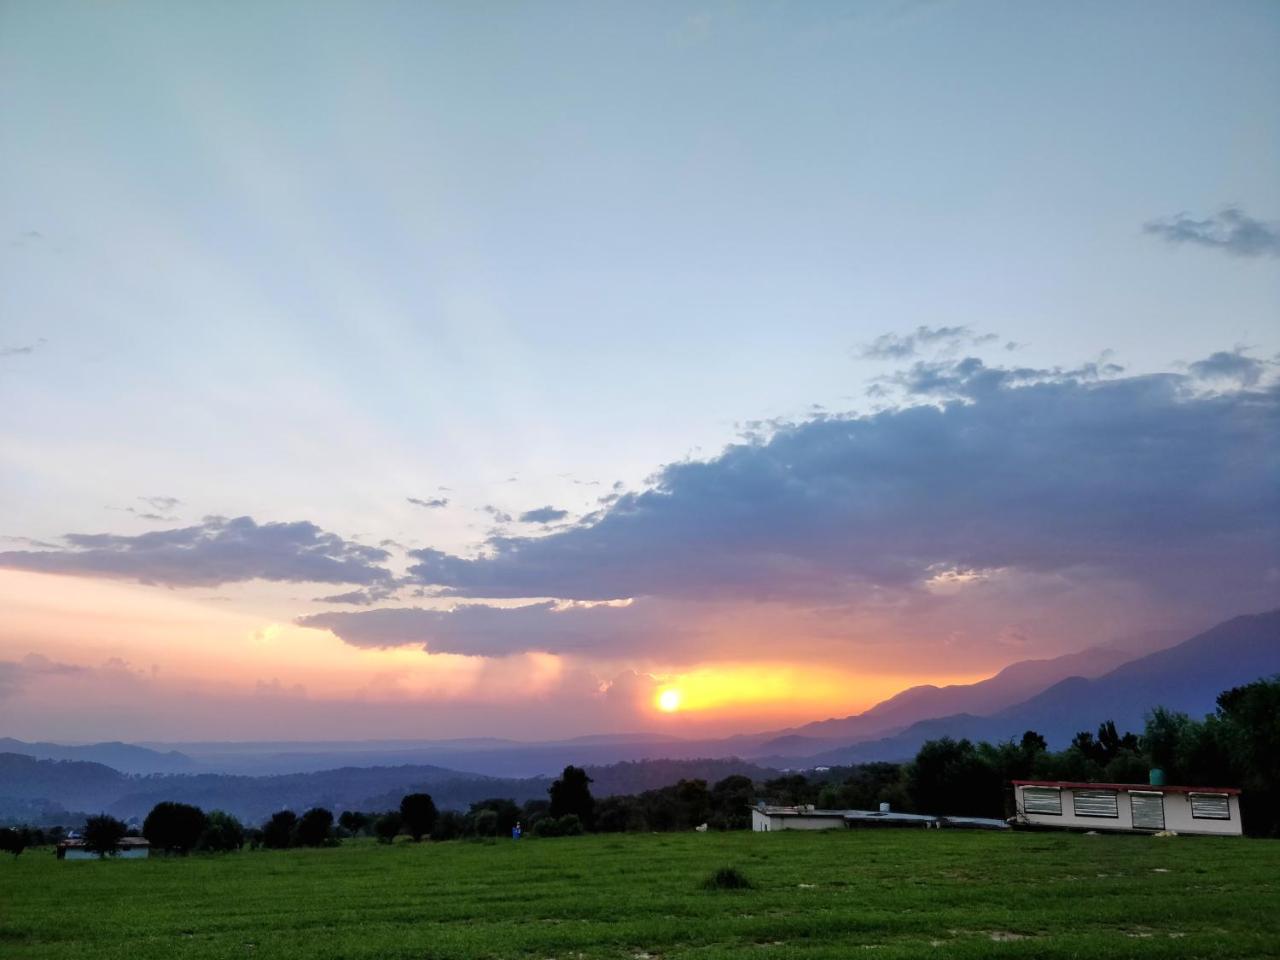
[{"x": 186, "y": 643}]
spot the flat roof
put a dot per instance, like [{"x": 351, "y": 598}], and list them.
[{"x": 1128, "y": 787}]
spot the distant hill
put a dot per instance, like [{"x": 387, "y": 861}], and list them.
[
  {"x": 1013, "y": 684},
  {"x": 29, "y": 786},
  {"x": 1187, "y": 677},
  {"x": 125, "y": 757}
]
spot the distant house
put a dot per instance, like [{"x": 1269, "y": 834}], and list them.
[
  {"x": 765, "y": 818},
  {"x": 130, "y": 848},
  {"x": 1128, "y": 807}
]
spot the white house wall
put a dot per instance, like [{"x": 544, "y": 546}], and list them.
[{"x": 1177, "y": 815}]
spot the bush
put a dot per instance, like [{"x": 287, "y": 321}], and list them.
[
  {"x": 387, "y": 827},
  {"x": 277, "y": 833},
  {"x": 728, "y": 878},
  {"x": 174, "y": 827},
  {"x": 223, "y": 833},
  {"x": 570, "y": 825},
  {"x": 314, "y": 828}
]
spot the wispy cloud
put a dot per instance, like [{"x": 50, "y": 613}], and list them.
[
  {"x": 1230, "y": 230},
  {"x": 895, "y": 346},
  {"x": 434, "y": 503}
]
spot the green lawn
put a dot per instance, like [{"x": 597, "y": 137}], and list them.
[{"x": 895, "y": 893}]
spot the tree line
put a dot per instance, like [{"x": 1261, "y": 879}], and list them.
[{"x": 1236, "y": 746}]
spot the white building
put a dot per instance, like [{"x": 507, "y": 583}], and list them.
[
  {"x": 130, "y": 848},
  {"x": 766, "y": 818},
  {"x": 1128, "y": 807}
]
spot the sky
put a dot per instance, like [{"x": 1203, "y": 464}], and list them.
[{"x": 430, "y": 370}]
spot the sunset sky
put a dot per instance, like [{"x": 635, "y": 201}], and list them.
[{"x": 376, "y": 370}]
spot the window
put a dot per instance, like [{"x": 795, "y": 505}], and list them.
[
  {"x": 1210, "y": 806},
  {"x": 1096, "y": 803},
  {"x": 1042, "y": 800},
  {"x": 1147, "y": 808}
]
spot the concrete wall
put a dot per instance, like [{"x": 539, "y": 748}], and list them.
[
  {"x": 129, "y": 853},
  {"x": 762, "y": 822},
  {"x": 1177, "y": 815}
]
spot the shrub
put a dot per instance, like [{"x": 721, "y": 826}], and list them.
[
  {"x": 728, "y": 878},
  {"x": 174, "y": 827},
  {"x": 570, "y": 825}
]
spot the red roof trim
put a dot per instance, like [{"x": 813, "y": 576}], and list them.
[{"x": 1128, "y": 787}]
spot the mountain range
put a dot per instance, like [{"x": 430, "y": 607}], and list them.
[{"x": 1056, "y": 697}]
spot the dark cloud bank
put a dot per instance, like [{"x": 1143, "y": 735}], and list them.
[
  {"x": 216, "y": 551},
  {"x": 1142, "y": 477}
]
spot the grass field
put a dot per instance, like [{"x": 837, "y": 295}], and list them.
[{"x": 891, "y": 893}]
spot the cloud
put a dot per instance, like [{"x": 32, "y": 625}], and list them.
[
  {"x": 483, "y": 630},
  {"x": 21, "y": 351},
  {"x": 16, "y": 674},
  {"x": 435, "y": 503},
  {"x": 362, "y": 598},
  {"x": 1019, "y": 470},
  {"x": 1229, "y": 230},
  {"x": 1233, "y": 366},
  {"x": 216, "y": 551},
  {"x": 499, "y": 515},
  {"x": 543, "y": 515},
  {"x": 161, "y": 503},
  {"x": 893, "y": 346}
]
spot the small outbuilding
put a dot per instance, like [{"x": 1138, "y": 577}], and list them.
[
  {"x": 129, "y": 848},
  {"x": 1128, "y": 807},
  {"x": 765, "y": 818}
]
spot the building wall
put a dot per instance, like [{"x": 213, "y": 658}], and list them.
[
  {"x": 761, "y": 822},
  {"x": 131, "y": 853},
  {"x": 1177, "y": 816}
]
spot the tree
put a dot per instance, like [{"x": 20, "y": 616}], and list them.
[
  {"x": 12, "y": 841},
  {"x": 1248, "y": 726},
  {"x": 507, "y": 811},
  {"x": 277, "y": 833},
  {"x": 1032, "y": 743},
  {"x": 355, "y": 822},
  {"x": 418, "y": 812},
  {"x": 615, "y": 814},
  {"x": 223, "y": 833},
  {"x": 450, "y": 825},
  {"x": 730, "y": 800},
  {"x": 572, "y": 794},
  {"x": 174, "y": 827},
  {"x": 102, "y": 835},
  {"x": 387, "y": 827},
  {"x": 485, "y": 823},
  {"x": 314, "y": 828},
  {"x": 953, "y": 777}
]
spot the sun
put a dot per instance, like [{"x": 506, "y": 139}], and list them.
[{"x": 669, "y": 701}]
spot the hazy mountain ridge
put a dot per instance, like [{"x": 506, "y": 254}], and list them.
[
  {"x": 1187, "y": 677},
  {"x": 30, "y": 784}
]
